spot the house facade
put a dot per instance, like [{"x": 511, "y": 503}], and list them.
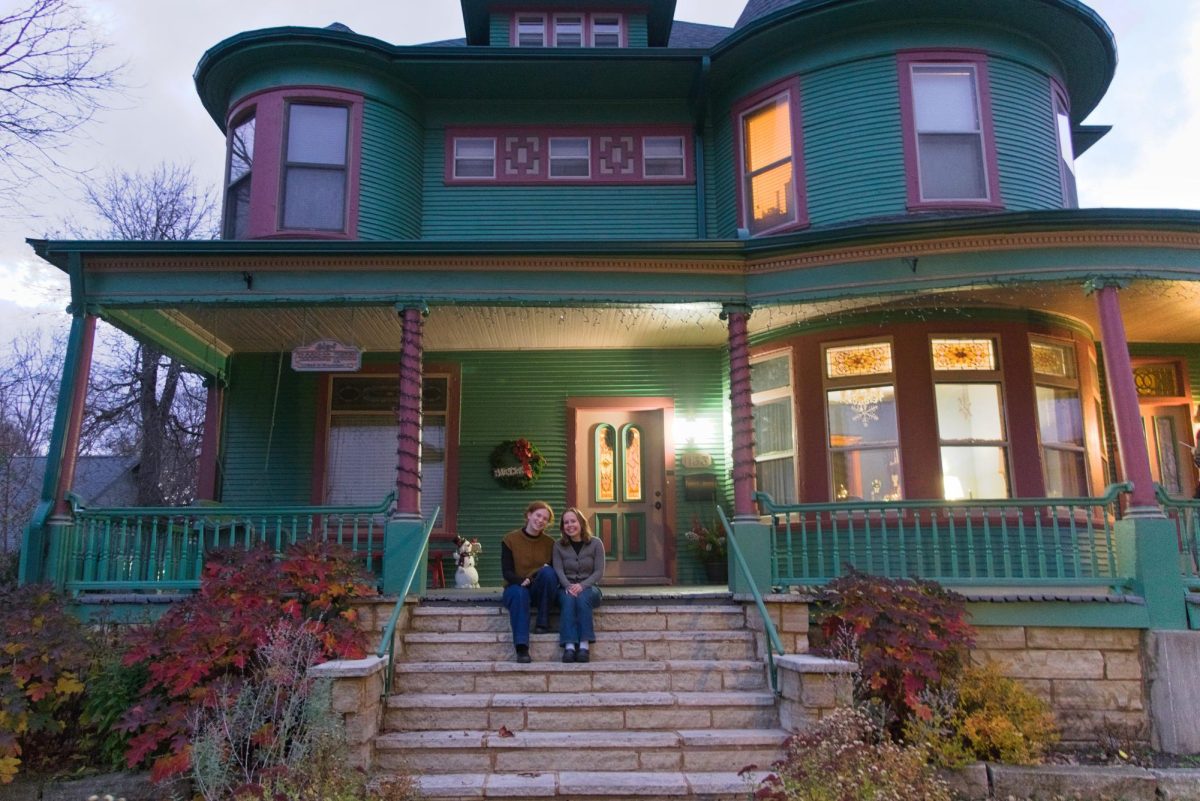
[{"x": 598, "y": 256}]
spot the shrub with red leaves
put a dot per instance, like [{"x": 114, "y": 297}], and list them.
[
  {"x": 214, "y": 634},
  {"x": 908, "y": 636}
]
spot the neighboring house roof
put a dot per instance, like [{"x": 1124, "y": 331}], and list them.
[{"x": 99, "y": 480}]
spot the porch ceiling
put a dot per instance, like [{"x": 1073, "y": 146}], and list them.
[{"x": 1154, "y": 311}]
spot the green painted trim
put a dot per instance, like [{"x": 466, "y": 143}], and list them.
[
  {"x": 611, "y": 554},
  {"x": 1059, "y": 614},
  {"x": 153, "y": 326},
  {"x": 981, "y": 314}
]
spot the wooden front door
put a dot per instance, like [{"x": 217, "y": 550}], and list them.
[
  {"x": 620, "y": 484},
  {"x": 1168, "y": 432}
]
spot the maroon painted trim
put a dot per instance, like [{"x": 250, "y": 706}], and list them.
[
  {"x": 548, "y": 24},
  {"x": 634, "y": 404},
  {"x": 744, "y": 467},
  {"x": 1127, "y": 416},
  {"x": 905, "y": 60},
  {"x": 266, "y": 178},
  {"x": 543, "y": 134},
  {"x": 206, "y": 470},
  {"x": 70, "y": 452},
  {"x": 790, "y": 86}
]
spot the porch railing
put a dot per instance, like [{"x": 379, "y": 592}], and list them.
[
  {"x": 773, "y": 644},
  {"x": 163, "y": 549},
  {"x": 1017, "y": 541},
  {"x": 1185, "y": 514}
]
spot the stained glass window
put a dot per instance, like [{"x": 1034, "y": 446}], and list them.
[
  {"x": 848, "y": 361},
  {"x": 1050, "y": 359},
  {"x": 963, "y": 354},
  {"x": 605, "y": 459},
  {"x": 1157, "y": 381},
  {"x": 631, "y": 462}
]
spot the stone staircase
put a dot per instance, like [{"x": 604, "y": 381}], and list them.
[{"x": 674, "y": 702}]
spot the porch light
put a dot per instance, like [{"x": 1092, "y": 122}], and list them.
[
  {"x": 952, "y": 488},
  {"x": 689, "y": 430}
]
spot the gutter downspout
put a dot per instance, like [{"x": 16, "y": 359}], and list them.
[{"x": 700, "y": 112}]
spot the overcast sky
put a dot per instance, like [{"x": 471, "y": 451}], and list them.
[{"x": 1148, "y": 160}]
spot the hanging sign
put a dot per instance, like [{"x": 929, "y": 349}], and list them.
[{"x": 326, "y": 356}]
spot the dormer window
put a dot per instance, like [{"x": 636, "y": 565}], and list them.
[
  {"x": 237, "y": 183},
  {"x": 568, "y": 30},
  {"x": 531, "y": 30}
]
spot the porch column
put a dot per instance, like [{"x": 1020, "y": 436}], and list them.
[
  {"x": 210, "y": 446},
  {"x": 40, "y": 549},
  {"x": 742, "y": 410},
  {"x": 408, "y": 413},
  {"x": 1122, "y": 394}
]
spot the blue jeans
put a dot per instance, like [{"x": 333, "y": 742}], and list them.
[
  {"x": 519, "y": 600},
  {"x": 575, "y": 620}
]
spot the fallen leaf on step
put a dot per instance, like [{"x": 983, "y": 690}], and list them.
[{"x": 504, "y": 732}]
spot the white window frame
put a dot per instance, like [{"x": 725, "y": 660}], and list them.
[
  {"x": 646, "y": 158},
  {"x": 866, "y": 381},
  {"x": 774, "y": 395},
  {"x": 993, "y": 377},
  {"x": 474, "y": 140},
  {"x": 526, "y": 20},
  {"x": 1061, "y": 382},
  {"x": 595, "y": 24},
  {"x": 582, "y": 27},
  {"x": 552, "y": 159},
  {"x": 978, "y": 133}
]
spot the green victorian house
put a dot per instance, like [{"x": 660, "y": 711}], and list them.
[{"x": 825, "y": 269}]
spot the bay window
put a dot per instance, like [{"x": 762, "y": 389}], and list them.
[
  {"x": 1066, "y": 148},
  {"x": 1060, "y": 418},
  {"x": 774, "y": 436},
  {"x": 314, "y": 181},
  {"x": 970, "y": 415},
  {"x": 238, "y": 179},
  {"x": 863, "y": 432},
  {"x": 949, "y": 147}
]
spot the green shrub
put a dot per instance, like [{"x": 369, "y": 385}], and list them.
[
  {"x": 987, "y": 716},
  {"x": 847, "y": 758},
  {"x": 909, "y": 638},
  {"x": 45, "y": 660}
]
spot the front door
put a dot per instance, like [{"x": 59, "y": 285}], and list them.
[
  {"x": 1168, "y": 430},
  {"x": 620, "y": 484}
]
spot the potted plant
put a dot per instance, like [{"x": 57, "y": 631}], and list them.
[{"x": 709, "y": 544}]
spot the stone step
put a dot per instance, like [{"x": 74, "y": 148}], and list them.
[
  {"x": 617, "y": 618},
  {"x": 598, "y": 676},
  {"x": 553, "y": 711},
  {"x": 552, "y": 751},
  {"x": 590, "y": 785},
  {"x": 487, "y": 646}
]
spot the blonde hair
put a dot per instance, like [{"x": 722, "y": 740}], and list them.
[{"x": 585, "y": 531}]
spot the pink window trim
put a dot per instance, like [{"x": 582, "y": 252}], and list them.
[
  {"x": 594, "y": 133},
  {"x": 266, "y": 183},
  {"x": 549, "y": 17},
  {"x": 905, "y": 60},
  {"x": 791, "y": 87}
]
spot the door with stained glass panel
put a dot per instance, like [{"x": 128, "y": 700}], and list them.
[
  {"x": 620, "y": 478},
  {"x": 1164, "y": 397}
]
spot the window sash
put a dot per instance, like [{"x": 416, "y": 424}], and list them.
[
  {"x": 663, "y": 157},
  {"x": 531, "y": 31},
  {"x": 775, "y": 452},
  {"x": 1066, "y": 152},
  {"x": 570, "y": 157},
  {"x": 768, "y": 168},
  {"x": 568, "y": 30},
  {"x": 474, "y": 157},
  {"x": 315, "y": 174},
  {"x": 606, "y": 31},
  {"x": 948, "y": 120}
]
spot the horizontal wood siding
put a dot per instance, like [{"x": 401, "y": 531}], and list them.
[
  {"x": 390, "y": 182},
  {"x": 500, "y": 30},
  {"x": 511, "y": 395},
  {"x": 1026, "y": 143},
  {"x": 722, "y": 176},
  {"x": 639, "y": 35},
  {"x": 550, "y": 212},
  {"x": 267, "y": 453},
  {"x": 853, "y": 153}
]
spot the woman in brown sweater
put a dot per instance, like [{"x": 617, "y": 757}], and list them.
[{"x": 579, "y": 564}]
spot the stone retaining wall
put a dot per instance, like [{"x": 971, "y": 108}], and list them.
[{"x": 1093, "y": 678}]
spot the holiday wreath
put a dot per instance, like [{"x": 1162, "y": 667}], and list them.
[{"x": 517, "y": 463}]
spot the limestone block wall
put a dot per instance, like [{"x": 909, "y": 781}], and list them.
[
  {"x": 1093, "y": 678},
  {"x": 789, "y": 613}
]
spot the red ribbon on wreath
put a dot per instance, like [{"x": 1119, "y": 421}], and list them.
[{"x": 524, "y": 453}]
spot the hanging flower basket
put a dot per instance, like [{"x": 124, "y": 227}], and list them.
[{"x": 517, "y": 463}]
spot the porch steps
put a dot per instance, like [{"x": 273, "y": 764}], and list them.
[{"x": 674, "y": 702}]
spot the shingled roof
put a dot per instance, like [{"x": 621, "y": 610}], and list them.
[{"x": 761, "y": 8}]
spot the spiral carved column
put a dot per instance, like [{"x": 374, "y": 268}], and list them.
[
  {"x": 743, "y": 411},
  {"x": 408, "y": 413}
]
